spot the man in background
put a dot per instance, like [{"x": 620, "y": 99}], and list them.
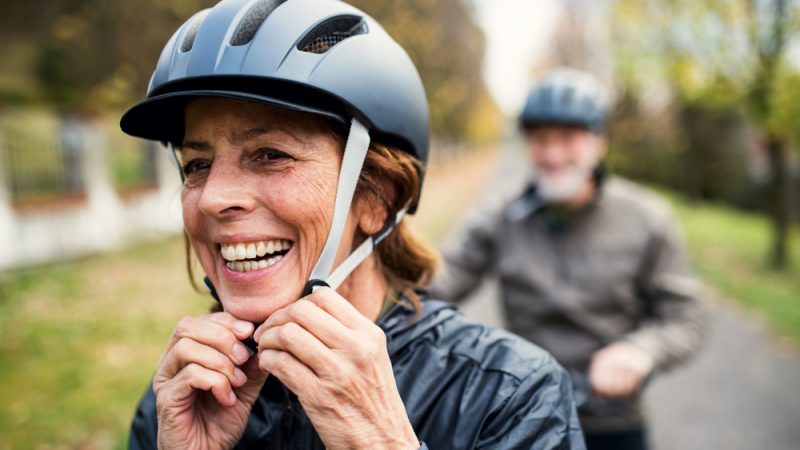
[{"x": 590, "y": 266}]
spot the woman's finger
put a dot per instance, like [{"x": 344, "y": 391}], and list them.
[
  {"x": 302, "y": 344},
  {"x": 325, "y": 327},
  {"x": 337, "y": 306},
  {"x": 213, "y": 331},
  {"x": 187, "y": 351},
  {"x": 291, "y": 372},
  {"x": 194, "y": 377}
]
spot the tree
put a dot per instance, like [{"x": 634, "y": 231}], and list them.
[
  {"x": 447, "y": 47},
  {"x": 729, "y": 54},
  {"x": 94, "y": 54}
]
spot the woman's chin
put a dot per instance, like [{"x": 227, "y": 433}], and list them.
[{"x": 254, "y": 309}]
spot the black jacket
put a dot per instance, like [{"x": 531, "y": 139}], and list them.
[{"x": 464, "y": 386}]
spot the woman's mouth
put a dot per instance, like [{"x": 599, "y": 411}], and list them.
[{"x": 250, "y": 256}]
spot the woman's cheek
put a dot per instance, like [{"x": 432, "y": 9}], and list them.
[{"x": 192, "y": 217}]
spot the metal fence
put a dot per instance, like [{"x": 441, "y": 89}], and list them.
[
  {"x": 37, "y": 161},
  {"x": 43, "y": 154}
]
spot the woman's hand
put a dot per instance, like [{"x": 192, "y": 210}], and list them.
[
  {"x": 206, "y": 383},
  {"x": 618, "y": 370},
  {"x": 335, "y": 360}
]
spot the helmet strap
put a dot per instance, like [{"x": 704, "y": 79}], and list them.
[
  {"x": 172, "y": 155},
  {"x": 355, "y": 152}
]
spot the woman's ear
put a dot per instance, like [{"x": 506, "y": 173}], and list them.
[{"x": 371, "y": 214}]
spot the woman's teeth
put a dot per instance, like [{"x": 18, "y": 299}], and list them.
[
  {"x": 247, "y": 266},
  {"x": 260, "y": 254}
]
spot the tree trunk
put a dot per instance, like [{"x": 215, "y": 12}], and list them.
[{"x": 779, "y": 206}]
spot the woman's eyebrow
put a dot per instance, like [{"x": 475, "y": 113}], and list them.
[
  {"x": 253, "y": 133},
  {"x": 200, "y": 146},
  {"x": 241, "y": 137}
]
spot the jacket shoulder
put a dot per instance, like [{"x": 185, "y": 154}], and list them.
[
  {"x": 487, "y": 348},
  {"x": 490, "y": 388},
  {"x": 629, "y": 199},
  {"x": 144, "y": 428}
]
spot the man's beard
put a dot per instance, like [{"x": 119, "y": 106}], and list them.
[{"x": 567, "y": 185}]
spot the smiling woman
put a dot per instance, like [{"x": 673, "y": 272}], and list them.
[
  {"x": 254, "y": 173},
  {"x": 301, "y": 132}
]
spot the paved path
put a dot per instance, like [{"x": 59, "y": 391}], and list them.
[{"x": 742, "y": 392}]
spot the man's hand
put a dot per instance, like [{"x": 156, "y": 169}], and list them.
[
  {"x": 618, "y": 370},
  {"x": 336, "y": 361}
]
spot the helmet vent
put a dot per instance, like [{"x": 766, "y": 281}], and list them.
[
  {"x": 188, "y": 38},
  {"x": 253, "y": 19},
  {"x": 329, "y": 33}
]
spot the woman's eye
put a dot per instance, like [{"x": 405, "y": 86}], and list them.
[
  {"x": 195, "y": 165},
  {"x": 270, "y": 154}
]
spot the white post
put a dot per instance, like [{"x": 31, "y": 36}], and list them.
[
  {"x": 8, "y": 224},
  {"x": 169, "y": 188},
  {"x": 104, "y": 205}
]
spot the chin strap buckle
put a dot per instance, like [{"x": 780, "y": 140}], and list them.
[{"x": 312, "y": 286}]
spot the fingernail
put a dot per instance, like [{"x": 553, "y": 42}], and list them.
[
  {"x": 242, "y": 327},
  {"x": 239, "y": 376},
  {"x": 240, "y": 353},
  {"x": 232, "y": 398}
]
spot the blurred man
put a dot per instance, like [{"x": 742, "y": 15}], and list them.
[{"x": 590, "y": 267}]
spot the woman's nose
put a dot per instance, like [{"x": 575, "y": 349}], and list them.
[{"x": 225, "y": 193}]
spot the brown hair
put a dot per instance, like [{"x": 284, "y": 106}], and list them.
[{"x": 392, "y": 178}]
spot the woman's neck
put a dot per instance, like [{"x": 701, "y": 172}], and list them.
[{"x": 366, "y": 288}]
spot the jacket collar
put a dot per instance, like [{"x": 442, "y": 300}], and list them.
[{"x": 529, "y": 202}]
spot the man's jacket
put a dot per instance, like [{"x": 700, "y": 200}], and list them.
[
  {"x": 464, "y": 386},
  {"x": 574, "y": 283}
]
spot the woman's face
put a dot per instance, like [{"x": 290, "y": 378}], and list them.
[{"x": 257, "y": 200}]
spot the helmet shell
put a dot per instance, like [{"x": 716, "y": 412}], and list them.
[
  {"x": 567, "y": 97},
  {"x": 268, "y": 51}
]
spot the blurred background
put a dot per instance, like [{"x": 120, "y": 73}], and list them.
[{"x": 707, "y": 112}]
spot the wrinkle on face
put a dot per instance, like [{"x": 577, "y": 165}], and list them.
[{"x": 290, "y": 199}]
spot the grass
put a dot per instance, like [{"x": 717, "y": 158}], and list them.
[
  {"x": 79, "y": 341},
  {"x": 729, "y": 250}
]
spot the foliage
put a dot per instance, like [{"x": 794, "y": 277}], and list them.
[
  {"x": 90, "y": 55},
  {"x": 728, "y": 56},
  {"x": 726, "y": 247},
  {"x": 724, "y": 54},
  {"x": 447, "y": 47}
]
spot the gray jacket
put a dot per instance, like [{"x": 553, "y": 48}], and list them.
[{"x": 615, "y": 270}]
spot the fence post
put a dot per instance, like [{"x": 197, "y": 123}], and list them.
[
  {"x": 169, "y": 188},
  {"x": 7, "y": 222},
  {"x": 104, "y": 205}
]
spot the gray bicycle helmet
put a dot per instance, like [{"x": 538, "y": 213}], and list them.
[
  {"x": 322, "y": 57},
  {"x": 568, "y": 97}
]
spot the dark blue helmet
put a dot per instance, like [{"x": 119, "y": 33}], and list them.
[
  {"x": 318, "y": 56},
  {"x": 568, "y": 97}
]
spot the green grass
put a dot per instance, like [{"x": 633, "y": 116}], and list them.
[
  {"x": 729, "y": 250},
  {"x": 80, "y": 341}
]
